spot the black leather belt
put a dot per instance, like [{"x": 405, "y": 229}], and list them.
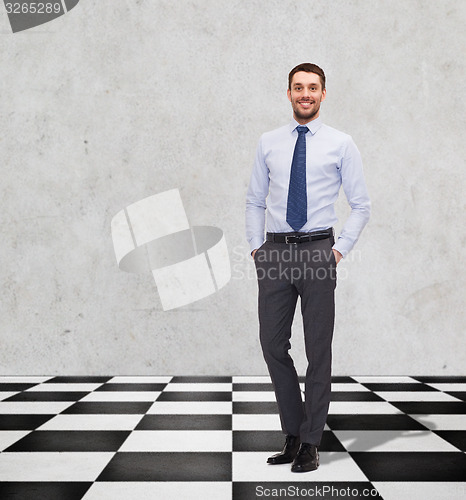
[{"x": 299, "y": 237}]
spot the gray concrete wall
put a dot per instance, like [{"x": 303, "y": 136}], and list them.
[{"x": 116, "y": 101}]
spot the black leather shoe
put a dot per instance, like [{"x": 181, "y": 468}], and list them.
[
  {"x": 289, "y": 451},
  {"x": 307, "y": 458}
]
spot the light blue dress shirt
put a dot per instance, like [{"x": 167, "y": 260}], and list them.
[{"x": 332, "y": 161}]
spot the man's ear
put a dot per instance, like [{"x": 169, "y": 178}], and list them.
[
  {"x": 288, "y": 93},
  {"x": 324, "y": 93}
]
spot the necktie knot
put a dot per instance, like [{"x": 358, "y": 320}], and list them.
[{"x": 302, "y": 129}]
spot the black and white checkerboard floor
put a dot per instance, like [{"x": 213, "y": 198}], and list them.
[{"x": 165, "y": 438}]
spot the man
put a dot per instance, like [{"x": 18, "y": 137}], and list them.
[{"x": 297, "y": 174}]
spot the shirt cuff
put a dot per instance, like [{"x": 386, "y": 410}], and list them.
[
  {"x": 255, "y": 243},
  {"x": 340, "y": 247}
]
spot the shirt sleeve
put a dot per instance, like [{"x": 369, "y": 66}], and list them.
[
  {"x": 257, "y": 193},
  {"x": 354, "y": 186}
]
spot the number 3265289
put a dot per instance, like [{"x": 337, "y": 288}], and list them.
[{"x": 33, "y": 8}]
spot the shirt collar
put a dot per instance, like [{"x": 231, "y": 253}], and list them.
[{"x": 313, "y": 125}]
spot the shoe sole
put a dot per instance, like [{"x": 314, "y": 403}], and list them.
[
  {"x": 279, "y": 462},
  {"x": 301, "y": 469}
]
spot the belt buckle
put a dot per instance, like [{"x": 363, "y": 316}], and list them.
[{"x": 289, "y": 238}]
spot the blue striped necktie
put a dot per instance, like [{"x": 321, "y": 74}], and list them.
[{"x": 296, "y": 208}]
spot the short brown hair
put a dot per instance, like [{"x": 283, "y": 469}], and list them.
[{"x": 309, "y": 68}]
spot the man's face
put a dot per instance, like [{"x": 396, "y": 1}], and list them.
[{"x": 305, "y": 96}]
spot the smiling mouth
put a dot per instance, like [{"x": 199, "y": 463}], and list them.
[{"x": 305, "y": 104}]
